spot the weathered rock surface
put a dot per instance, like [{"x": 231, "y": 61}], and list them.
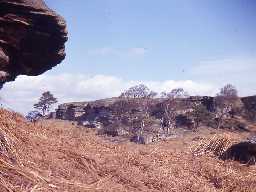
[
  {"x": 244, "y": 152},
  {"x": 249, "y": 107},
  {"x": 106, "y": 111},
  {"x": 32, "y": 38},
  {"x": 89, "y": 110},
  {"x": 120, "y": 116}
]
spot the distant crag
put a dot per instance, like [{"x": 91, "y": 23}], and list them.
[
  {"x": 116, "y": 116},
  {"x": 32, "y": 38},
  {"x": 105, "y": 110},
  {"x": 89, "y": 110},
  {"x": 83, "y": 111}
]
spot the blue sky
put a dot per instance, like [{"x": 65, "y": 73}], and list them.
[
  {"x": 198, "y": 44},
  {"x": 176, "y": 35}
]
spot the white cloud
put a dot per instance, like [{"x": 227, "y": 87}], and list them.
[
  {"x": 226, "y": 66},
  {"x": 138, "y": 51},
  {"x": 105, "y": 51},
  {"x": 237, "y": 71},
  {"x": 25, "y": 91},
  {"x": 194, "y": 88}
]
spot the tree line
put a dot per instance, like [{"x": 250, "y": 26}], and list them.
[{"x": 226, "y": 101}]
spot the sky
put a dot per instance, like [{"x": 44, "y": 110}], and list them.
[{"x": 199, "y": 45}]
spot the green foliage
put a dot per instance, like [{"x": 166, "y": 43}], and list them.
[{"x": 45, "y": 102}]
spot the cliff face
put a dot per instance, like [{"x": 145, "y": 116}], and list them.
[{"x": 32, "y": 38}]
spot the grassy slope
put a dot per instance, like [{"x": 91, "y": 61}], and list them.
[{"x": 57, "y": 156}]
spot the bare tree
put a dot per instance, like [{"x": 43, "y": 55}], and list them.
[
  {"x": 141, "y": 96},
  {"x": 138, "y": 91},
  {"x": 168, "y": 120},
  {"x": 199, "y": 114},
  {"x": 142, "y": 119},
  {"x": 178, "y": 93},
  {"x": 45, "y": 102},
  {"x": 134, "y": 113},
  {"x": 225, "y": 101},
  {"x": 175, "y": 93},
  {"x": 163, "y": 94},
  {"x": 129, "y": 112},
  {"x": 141, "y": 122},
  {"x": 229, "y": 91},
  {"x": 152, "y": 94},
  {"x": 170, "y": 108}
]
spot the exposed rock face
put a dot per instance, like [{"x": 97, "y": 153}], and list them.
[
  {"x": 32, "y": 38},
  {"x": 106, "y": 111},
  {"x": 244, "y": 152},
  {"x": 90, "y": 110},
  {"x": 143, "y": 119},
  {"x": 115, "y": 113},
  {"x": 87, "y": 111},
  {"x": 70, "y": 111},
  {"x": 250, "y": 107}
]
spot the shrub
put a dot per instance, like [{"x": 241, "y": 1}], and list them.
[{"x": 33, "y": 116}]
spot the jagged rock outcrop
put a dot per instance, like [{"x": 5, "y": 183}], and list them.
[{"x": 32, "y": 38}]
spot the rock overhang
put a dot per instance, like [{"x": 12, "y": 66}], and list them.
[{"x": 32, "y": 38}]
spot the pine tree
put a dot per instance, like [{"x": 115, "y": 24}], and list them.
[{"x": 45, "y": 102}]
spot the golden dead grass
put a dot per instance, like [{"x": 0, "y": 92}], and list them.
[
  {"x": 217, "y": 144},
  {"x": 57, "y": 156}
]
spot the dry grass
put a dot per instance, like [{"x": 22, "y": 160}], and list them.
[
  {"x": 217, "y": 144},
  {"x": 57, "y": 156}
]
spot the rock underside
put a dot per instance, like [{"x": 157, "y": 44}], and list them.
[{"x": 32, "y": 38}]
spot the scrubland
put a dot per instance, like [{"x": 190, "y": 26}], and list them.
[{"x": 53, "y": 155}]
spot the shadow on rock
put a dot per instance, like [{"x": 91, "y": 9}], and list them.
[{"x": 244, "y": 152}]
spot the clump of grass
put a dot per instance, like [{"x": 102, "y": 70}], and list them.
[{"x": 217, "y": 145}]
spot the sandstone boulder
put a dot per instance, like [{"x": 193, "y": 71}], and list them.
[
  {"x": 244, "y": 152},
  {"x": 32, "y": 38}
]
